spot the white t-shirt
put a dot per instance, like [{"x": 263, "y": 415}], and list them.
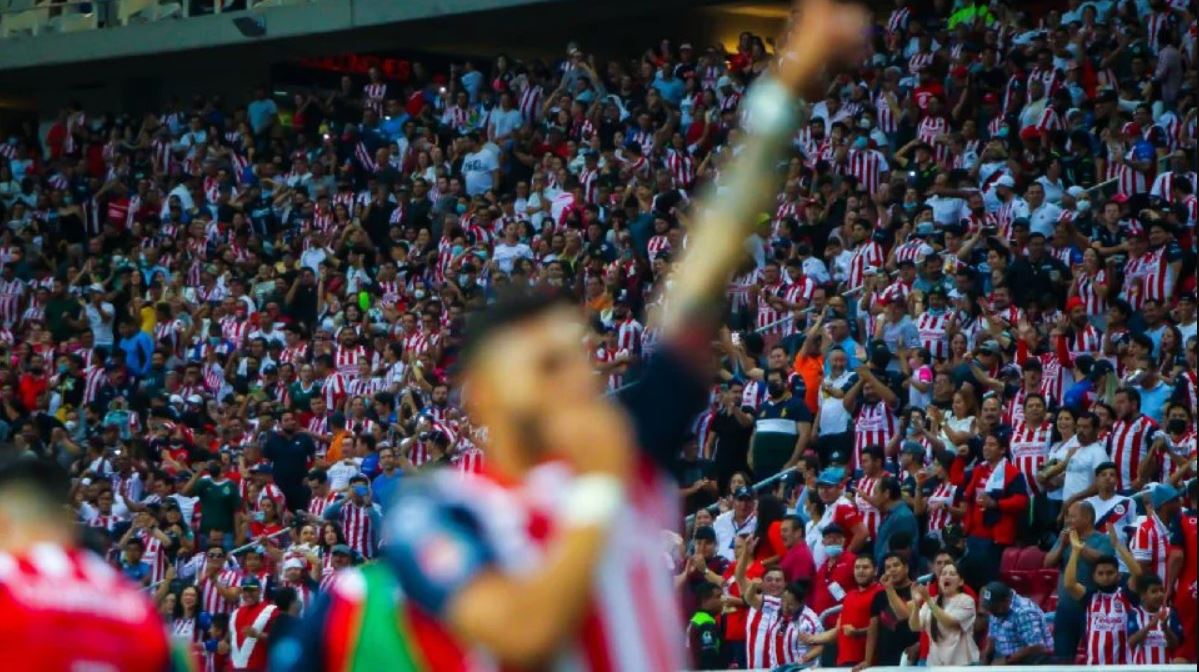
[
  {"x": 834, "y": 419},
  {"x": 101, "y": 328},
  {"x": 341, "y": 473},
  {"x": 946, "y": 209},
  {"x": 727, "y": 529},
  {"x": 506, "y": 255},
  {"x": 477, "y": 168},
  {"x": 1080, "y": 471}
]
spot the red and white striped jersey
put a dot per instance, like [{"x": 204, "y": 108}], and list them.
[
  {"x": 929, "y": 130},
  {"x": 317, "y": 505},
  {"x": 1088, "y": 291},
  {"x": 1155, "y": 648},
  {"x": 468, "y": 460},
  {"x": 530, "y": 102},
  {"x": 868, "y": 166},
  {"x": 658, "y": 244},
  {"x": 1127, "y": 444},
  {"x": 785, "y": 645},
  {"x": 868, "y": 253},
  {"x": 864, "y": 489},
  {"x": 356, "y": 525},
  {"x": 1030, "y": 449},
  {"x": 1015, "y": 407},
  {"x": 589, "y": 183},
  {"x": 373, "y": 95},
  {"x": 294, "y": 354},
  {"x": 887, "y": 120},
  {"x": 1163, "y": 185},
  {"x": 1130, "y": 180},
  {"x": 1085, "y": 341},
  {"x": 767, "y": 319},
  {"x": 682, "y": 168},
  {"x": 334, "y": 389},
  {"x": 1106, "y": 641},
  {"x": 934, "y": 334},
  {"x": 874, "y": 425},
  {"x": 897, "y": 23},
  {"x": 628, "y": 336},
  {"x": 345, "y": 360},
  {"x": 919, "y": 61},
  {"x": 211, "y": 599},
  {"x": 607, "y": 355},
  {"x": 758, "y": 624},
  {"x": 1009, "y": 211},
  {"x": 944, "y": 496},
  {"x": 1050, "y": 77},
  {"x": 1188, "y": 444},
  {"x": 1151, "y": 544},
  {"x": 1158, "y": 281}
]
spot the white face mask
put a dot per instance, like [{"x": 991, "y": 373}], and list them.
[{"x": 834, "y": 551}]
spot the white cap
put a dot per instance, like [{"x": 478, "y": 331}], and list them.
[
  {"x": 293, "y": 563},
  {"x": 1076, "y": 191},
  {"x": 1005, "y": 181},
  {"x": 175, "y": 399},
  {"x": 195, "y": 399}
]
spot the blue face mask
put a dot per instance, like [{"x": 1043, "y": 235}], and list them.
[
  {"x": 456, "y": 250},
  {"x": 860, "y": 143},
  {"x": 834, "y": 551},
  {"x": 461, "y": 208},
  {"x": 910, "y": 207},
  {"x": 935, "y": 311},
  {"x": 361, "y": 490}
]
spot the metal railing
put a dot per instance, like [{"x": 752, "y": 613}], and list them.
[
  {"x": 244, "y": 547},
  {"x": 68, "y": 16}
]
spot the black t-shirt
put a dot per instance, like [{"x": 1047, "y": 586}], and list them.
[{"x": 894, "y": 635}]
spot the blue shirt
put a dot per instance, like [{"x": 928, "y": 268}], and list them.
[
  {"x": 472, "y": 81},
  {"x": 261, "y": 112},
  {"x": 1153, "y": 402},
  {"x": 385, "y": 486},
  {"x": 138, "y": 349},
  {"x": 393, "y": 127},
  {"x": 671, "y": 90}
]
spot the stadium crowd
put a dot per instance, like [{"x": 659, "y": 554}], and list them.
[{"x": 963, "y": 342}]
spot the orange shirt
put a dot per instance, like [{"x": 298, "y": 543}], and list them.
[{"x": 811, "y": 369}]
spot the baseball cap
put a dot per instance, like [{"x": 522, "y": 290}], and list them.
[
  {"x": 341, "y": 549},
  {"x": 832, "y": 528},
  {"x": 261, "y": 468},
  {"x": 1074, "y": 302},
  {"x": 705, "y": 533},
  {"x": 912, "y": 448},
  {"x": 1131, "y": 128},
  {"x": 989, "y": 347},
  {"x": 831, "y": 476},
  {"x": 995, "y": 592},
  {"x": 1076, "y": 191},
  {"x": 293, "y": 563},
  {"x": 250, "y": 582},
  {"x": 1164, "y": 493},
  {"x": 1005, "y": 181},
  {"x": 743, "y": 492},
  {"x": 195, "y": 399}
]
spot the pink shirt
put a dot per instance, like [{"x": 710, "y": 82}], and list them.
[{"x": 797, "y": 564}]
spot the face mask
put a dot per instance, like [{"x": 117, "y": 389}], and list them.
[
  {"x": 834, "y": 551},
  {"x": 461, "y": 209},
  {"x": 463, "y": 279},
  {"x": 935, "y": 311},
  {"x": 775, "y": 389},
  {"x": 419, "y": 294},
  {"x": 860, "y": 143},
  {"x": 910, "y": 207},
  {"x": 258, "y": 516},
  {"x": 456, "y": 250},
  {"x": 1176, "y": 425},
  {"x": 361, "y": 490},
  {"x": 214, "y": 340},
  {"x": 62, "y": 368}
]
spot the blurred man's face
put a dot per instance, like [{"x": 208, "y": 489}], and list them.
[{"x": 863, "y": 571}]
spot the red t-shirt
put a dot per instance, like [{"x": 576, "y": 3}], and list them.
[
  {"x": 734, "y": 621},
  {"x": 840, "y": 572},
  {"x": 64, "y": 608},
  {"x": 855, "y": 611}
]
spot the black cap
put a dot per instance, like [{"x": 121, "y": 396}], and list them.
[
  {"x": 705, "y": 533},
  {"x": 995, "y": 592},
  {"x": 743, "y": 492},
  {"x": 1104, "y": 466},
  {"x": 832, "y": 528}
]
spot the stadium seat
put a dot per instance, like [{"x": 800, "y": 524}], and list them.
[
  {"x": 1007, "y": 563},
  {"x": 1031, "y": 559}
]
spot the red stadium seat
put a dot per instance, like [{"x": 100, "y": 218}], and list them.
[
  {"x": 1007, "y": 563},
  {"x": 1031, "y": 558}
]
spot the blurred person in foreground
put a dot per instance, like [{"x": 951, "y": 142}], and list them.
[
  {"x": 51, "y": 588},
  {"x": 559, "y": 538}
]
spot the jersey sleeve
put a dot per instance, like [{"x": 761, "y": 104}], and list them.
[
  {"x": 436, "y": 547},
  {"x": 662, "y": 405}
]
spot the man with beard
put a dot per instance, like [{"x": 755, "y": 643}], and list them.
[
  {"x": 781, "y": 430},
  {"x": 853, "y": 623},
  {"x": 290, "y": 451},
  {"x": 889, "y": 633}
]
